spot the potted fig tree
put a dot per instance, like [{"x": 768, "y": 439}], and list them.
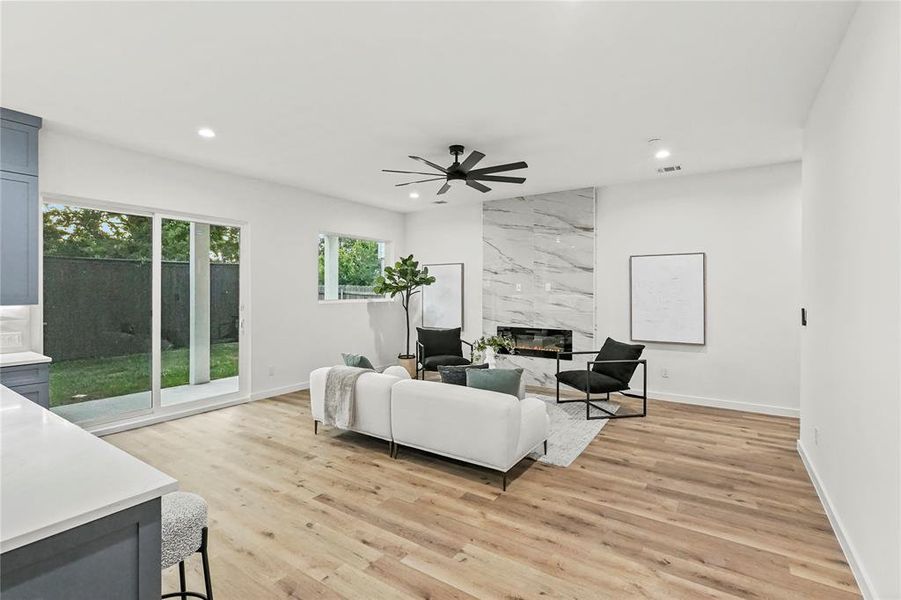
[{"x": 405, "y": 279}]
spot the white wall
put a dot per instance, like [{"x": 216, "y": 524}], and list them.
[
  {"x": 447, "y": 234},
  {"x": 850, "y": 389},
  {"x": 748, "y": 223},
  {"x": 290, "y": 330}
]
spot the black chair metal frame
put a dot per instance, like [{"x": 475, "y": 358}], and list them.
[
  {"x": 182, "y": 593},
  {"x": 420, "y": 348},
  {"x": 588, "y": 400}
]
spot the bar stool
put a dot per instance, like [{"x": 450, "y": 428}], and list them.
[{"x": 184, "y": 532}]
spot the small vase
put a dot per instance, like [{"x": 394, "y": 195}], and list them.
[{"x": 491, "y": 358}]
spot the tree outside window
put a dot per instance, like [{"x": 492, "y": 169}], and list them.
[{"x": 348, "y": 267}]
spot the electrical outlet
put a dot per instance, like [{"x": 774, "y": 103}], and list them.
[
  {"x": 664, "y": 373},
  {"x": 271, "y": 370},
  {"x": 816, "y": 436},
  {"x": 547, "y": 287},
  {"x": 518, "y": 287}
]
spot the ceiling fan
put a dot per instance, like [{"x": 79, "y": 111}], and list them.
[{"x": 463, "y": 172}]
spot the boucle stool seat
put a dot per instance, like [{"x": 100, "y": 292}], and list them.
[{"x": 184, "y": 532}]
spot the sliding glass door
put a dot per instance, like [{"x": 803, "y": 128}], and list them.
[
  {"x": 97, "y": 311},
  {"x": 200, "y": 310},
  {"x": 107, "y": 273}
]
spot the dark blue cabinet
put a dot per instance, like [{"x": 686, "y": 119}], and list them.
[{"x": 19, "y": 208}]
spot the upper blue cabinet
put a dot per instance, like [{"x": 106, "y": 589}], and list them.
[
  {"x": 19, "y": 208},
  {"x": 19, "y": 143}
]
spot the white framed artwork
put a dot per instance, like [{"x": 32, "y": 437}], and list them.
[
  {"x": 442, "y": 302},
  {"x": 668, "y": 298}
]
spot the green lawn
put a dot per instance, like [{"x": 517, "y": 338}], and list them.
[{"x": 73, "y": 381}]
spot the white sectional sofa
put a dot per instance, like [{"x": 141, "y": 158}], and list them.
[{"x": 484, "y": 428}]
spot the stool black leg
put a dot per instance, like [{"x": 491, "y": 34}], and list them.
[
  {"x": 181, "y": 580},
  {"x": 206, "y": 566}
]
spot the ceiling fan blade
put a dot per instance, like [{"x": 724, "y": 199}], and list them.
[
  {"x": 444, "y": 188},
  {"x": 499, "y": 178},
  {"x": 409, "y": 172},
  {"x": 474, "y": 157},
  {"x": 431, "y": 164},
  {"x": 475, "y": 184},
  {"x": 507, "y": 167},
  {"x": 420, "y": 181}
]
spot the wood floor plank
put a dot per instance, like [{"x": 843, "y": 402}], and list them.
[{"x": 689, "y": 502}]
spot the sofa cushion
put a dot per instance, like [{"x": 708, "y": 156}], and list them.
[
  {"x": 433, "y": 362},
  {"x": 456, "y": 374},
  {"x": 613, "y": 350},
  {"x": 589, "y": 381},
  {"x": 505, "y": 381},
  {"x": 440, "y": 342},
  {"x": 357, "y": 360}
]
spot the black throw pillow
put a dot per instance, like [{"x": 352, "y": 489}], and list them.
[
  {"x": 440, "y": 342},
  {"x": 456, "y": 375},
  {"x": 613, "y": 350}
]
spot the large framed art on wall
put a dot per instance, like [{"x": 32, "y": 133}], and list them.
[
  {"x": 442, "y": 302},
  {"x": 668, "y": 298}
]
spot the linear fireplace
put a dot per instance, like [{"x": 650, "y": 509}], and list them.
[{"x": 538, "y": 341}]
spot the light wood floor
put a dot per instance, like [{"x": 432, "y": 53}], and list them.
[{"x": 689, "y": 502}]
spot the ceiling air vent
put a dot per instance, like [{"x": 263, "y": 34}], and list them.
[
  {"x": 440, "y": 202},
  {"x": 671, "y": 169}
]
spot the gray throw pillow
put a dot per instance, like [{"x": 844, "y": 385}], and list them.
[
  {"x": 357, "y": 360},
  {"x": 505, "y": 381},
  {"x": 456, "y": 374}
]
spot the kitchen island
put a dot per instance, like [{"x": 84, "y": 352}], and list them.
[{"x": 79, "y": 518}]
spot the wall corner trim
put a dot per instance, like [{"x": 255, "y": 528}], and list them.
[{"x": 857, "y": 569}]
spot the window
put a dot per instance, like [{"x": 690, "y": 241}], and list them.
[{"x": 348, "y": 267}]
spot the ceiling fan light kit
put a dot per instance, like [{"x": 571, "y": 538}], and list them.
[{"x": 463, "y": 173}]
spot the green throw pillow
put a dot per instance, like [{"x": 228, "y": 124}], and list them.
[
  {"x": 357, "y": 360},
  {"x": 505, "y": 381}
]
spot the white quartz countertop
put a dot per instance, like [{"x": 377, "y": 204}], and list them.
[
  {"x": 55, "y": 475},
  {"x": 13, "y": 359}
]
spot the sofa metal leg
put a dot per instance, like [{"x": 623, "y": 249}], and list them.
[
  {"x": 315, "y": 427},
  {"x": 390, "y": 447},
  {"x": 504, "y": 482},
  {"x": 545, "y": 446}
]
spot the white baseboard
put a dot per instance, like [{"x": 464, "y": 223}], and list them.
[
  {"x": 766, "y": 409},
  {"x": 863, "y": 582},
  {"x": 287, "y": 389}
]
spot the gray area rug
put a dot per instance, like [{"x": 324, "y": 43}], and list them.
[{"x": 570, "y": 433}]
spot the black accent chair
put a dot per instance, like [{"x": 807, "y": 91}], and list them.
[
  {"x": 610, "y": 371},
  {"x": 439, "y": 347}
]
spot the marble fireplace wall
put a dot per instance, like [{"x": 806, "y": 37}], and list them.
[{"x": 538, "y": 271}]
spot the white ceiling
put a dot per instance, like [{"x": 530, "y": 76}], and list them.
[{"x": 324, "y": 95}]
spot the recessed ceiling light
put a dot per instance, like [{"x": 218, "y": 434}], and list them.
[
  {"x": 206, "y": 132},
  {"x": 662, "y": 153},
  {"x": 414, "y": 195}
]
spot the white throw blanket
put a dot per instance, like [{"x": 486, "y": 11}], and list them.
[{"x": 339, "y": 395}]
